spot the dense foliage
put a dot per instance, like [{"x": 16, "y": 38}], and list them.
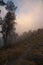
[{"x": 27, "y": 51}]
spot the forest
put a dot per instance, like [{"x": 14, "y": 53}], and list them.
[
  {"x": 28, "y": 50},
  {"x": 25, "y": 49}
]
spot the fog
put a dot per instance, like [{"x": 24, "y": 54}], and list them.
[{"x": 29, "y": 16}]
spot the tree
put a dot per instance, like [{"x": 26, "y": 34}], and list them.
[{"x": 8, "y": 25}]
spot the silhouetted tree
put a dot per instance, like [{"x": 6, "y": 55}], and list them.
[{"x": 8, "y": 25}]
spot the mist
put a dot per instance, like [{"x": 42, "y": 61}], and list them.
[{"x": 29, "y": 16}]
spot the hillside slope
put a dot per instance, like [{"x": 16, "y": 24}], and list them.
[{"x": 28, "y": 51}]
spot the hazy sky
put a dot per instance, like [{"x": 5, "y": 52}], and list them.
[{"x": 29, "y": 15}]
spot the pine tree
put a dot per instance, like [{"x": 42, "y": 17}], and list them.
[{"x": 8, "y": 25}]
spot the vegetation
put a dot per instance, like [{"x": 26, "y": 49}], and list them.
[
  {"x": 8, "y": 23},
  {"x": 27, "y": 51}
]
